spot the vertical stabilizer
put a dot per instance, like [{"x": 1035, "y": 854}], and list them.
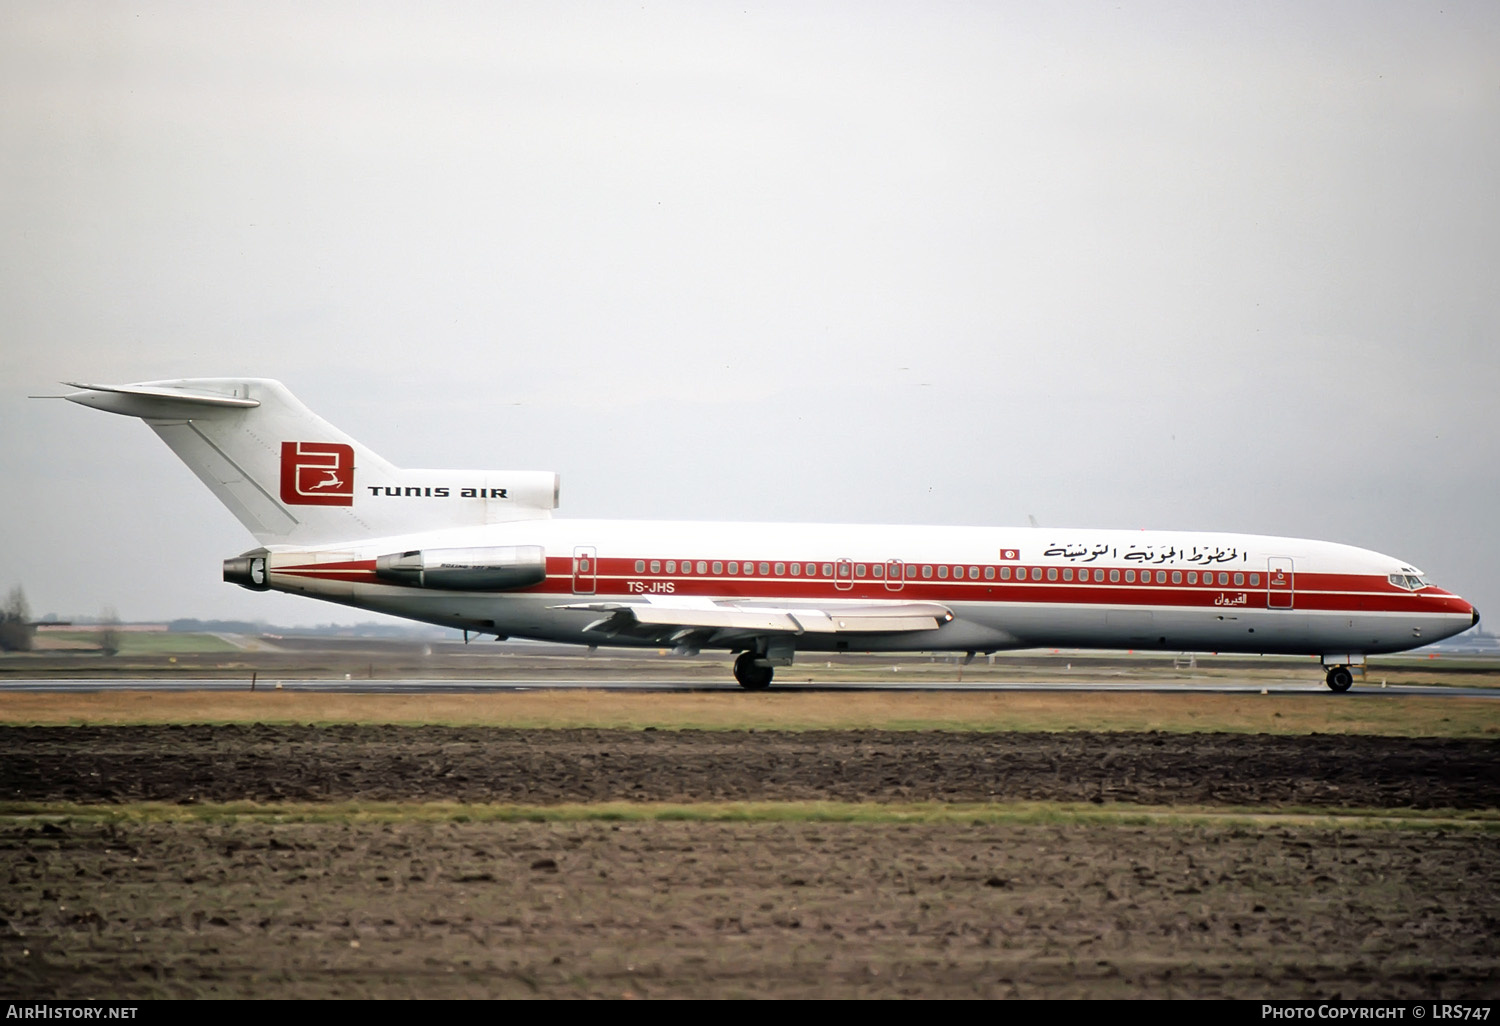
[{"x": 292, "y": 478}]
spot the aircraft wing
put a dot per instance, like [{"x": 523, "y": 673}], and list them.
[{"x": 706, "y": 621}]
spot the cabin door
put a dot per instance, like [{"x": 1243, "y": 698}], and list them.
[
  {"x": 843, "y": 575},
  {"x": 893, "y": 575},
  {"x": 585, "y": 570},
  {"x": 1279, "y": 582}
]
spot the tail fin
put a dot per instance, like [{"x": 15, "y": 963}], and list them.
[{"x": 293, "y": 478}]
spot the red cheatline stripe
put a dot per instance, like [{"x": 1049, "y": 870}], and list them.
[
  {"x": 998, "y": 592},
  {"x": 351, "y": 564}
]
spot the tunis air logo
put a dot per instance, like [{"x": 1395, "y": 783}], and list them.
[{"x": 317, "y": 474}]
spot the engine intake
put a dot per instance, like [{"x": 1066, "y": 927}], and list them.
[{"x": 496, "y": 568}]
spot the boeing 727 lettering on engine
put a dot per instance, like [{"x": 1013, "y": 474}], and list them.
[{"x": 480, "y": 551}]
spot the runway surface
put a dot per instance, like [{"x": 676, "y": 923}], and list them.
[{"x": 419, "y": 685}]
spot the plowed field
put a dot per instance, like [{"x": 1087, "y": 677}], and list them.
[{"x": 363, "y": 903}]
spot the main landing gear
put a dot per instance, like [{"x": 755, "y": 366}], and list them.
[
  {"x": 1340, "y": 679},
  {"x": 751, "y": 676}
]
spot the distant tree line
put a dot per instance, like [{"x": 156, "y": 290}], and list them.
[
  {"x": 191, "y": 626},
  {"x": 188, "y": 625},
  {"x": 16, "y": 628}
]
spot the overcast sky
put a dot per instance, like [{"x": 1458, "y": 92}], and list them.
[{"x": 1226, "y": 266}]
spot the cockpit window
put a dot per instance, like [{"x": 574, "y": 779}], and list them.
[{"x": 1411, "y": 582}]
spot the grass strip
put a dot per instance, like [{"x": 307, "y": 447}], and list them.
[
  {"x": 1372, "y": 713},
  {"x": 975, "y": 813}
]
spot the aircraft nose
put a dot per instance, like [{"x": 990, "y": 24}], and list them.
[{"x": 1475, "y": 621}]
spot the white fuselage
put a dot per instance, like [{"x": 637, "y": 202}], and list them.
[{"x": 1005, "y": 587}]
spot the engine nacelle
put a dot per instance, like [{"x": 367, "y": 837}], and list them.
[
  {"x": 248, "y": 571},
  {"x": 494, "y": 568}
]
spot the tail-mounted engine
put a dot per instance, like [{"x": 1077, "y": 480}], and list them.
[
  {"x": 248, "y": 571},
  {"x": 495, "y": 568}
]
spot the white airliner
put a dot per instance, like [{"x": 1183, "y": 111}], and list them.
[{"x": 479, "y": 550}]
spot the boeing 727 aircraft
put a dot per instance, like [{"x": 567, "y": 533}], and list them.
[{"x": 480, "y": 551}]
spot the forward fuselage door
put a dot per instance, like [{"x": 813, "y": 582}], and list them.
[
  {"x": 843, "y": 575},
  {"x": 1279, "y": 582},
  {"x": 585, "y": 569}
]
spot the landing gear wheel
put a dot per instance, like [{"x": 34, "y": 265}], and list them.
[
  {"x": 750, "y": 676},
  {"x": 1340, "y": 679}
]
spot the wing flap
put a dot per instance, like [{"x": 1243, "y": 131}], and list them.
[{"x": 663, "y": 618}]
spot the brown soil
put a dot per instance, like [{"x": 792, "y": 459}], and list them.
[
  {"x": 392, "y": 763},
  {"x": 240, "y": 907}
]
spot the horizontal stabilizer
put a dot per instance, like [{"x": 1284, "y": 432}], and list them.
[{"x": 152, "y": 401}]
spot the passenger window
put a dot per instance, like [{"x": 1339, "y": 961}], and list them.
[
  {"x": 827, "y": 569},
  {"x": 702, "y": 567},
  {"x": 1129, "y": 576},
  {"x": 859, "y": 569},
  {"x": 1192, "y": 577},
  {"x": 943, "y": 572},
  {"x": 878, "y": 570},
  {"x": 765, "y": 568},
  {"x": 1161, "y": 577},
  {"x": 1052, "y": 573},
  {"x": 687, "y": 566},
  {"x": 1255, "y": 580},
  {"x": 796, "y": 569},
  {"x": 734, "y": 567},
  {"x": 671, "y": 566},
  {"x": 1020, "y": 573},
  {"x": 1239, "y": 579},
  {"x": 1223, "y": 579},
  {"x": 1005, "y": 573},
  {"x": 812, "y": 569},
  {"x": 718, "y": 567},
  {"x": 926, "y": 570},
  {"x": 1176, "y": 576},
  {"x": 640, "y": 566},
  {"x": 656, "y": 566},
  {"x": 989, "y": 573},
  {"x": 780, "y": 569},
  {"x": 910, "y": 571},
  {"x": 1114, "y": 576}
]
